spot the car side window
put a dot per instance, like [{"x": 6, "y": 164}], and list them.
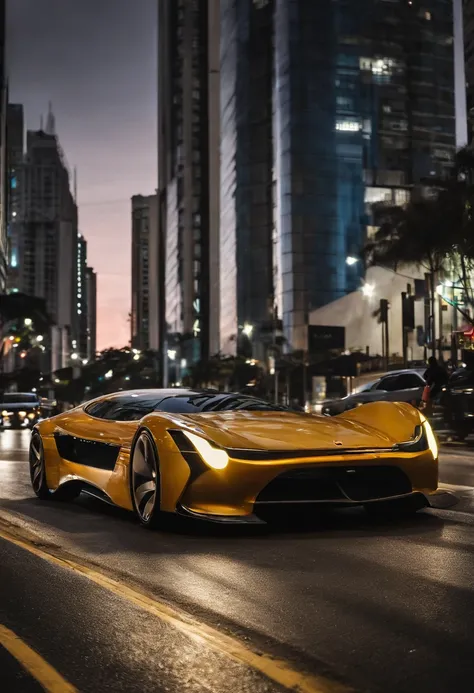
[
  {"x": 407, "y": 381},
  {"x": 389, "y": 384},
  {"x": 99, "y": 409}
]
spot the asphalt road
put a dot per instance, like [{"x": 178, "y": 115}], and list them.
[{"x": 381, "y": 607}]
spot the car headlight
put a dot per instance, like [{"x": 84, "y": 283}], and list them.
[
  {"x": 216, "y": 458},
  {"x": 423, "y": 439},
  {"x": 22, "y": 414},
  {"x": 432, "y": 442}
]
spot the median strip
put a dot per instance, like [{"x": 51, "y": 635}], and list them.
[
  {"x": 34, "y": 664},
  {"x": 276, "y": 670}
]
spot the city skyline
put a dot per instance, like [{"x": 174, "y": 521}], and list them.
[{"x": 104, "y": 100}]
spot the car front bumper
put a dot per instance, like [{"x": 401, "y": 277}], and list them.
[{"x": 245, "y": 490}]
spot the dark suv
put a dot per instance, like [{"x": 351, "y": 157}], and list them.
[
  {"x": 19, "y": 409},
  {"x": 457, "y": 402}
]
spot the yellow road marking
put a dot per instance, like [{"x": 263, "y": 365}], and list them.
[
  {"x": 47, "y": 677},
  {"x": 277, "y": 670}
]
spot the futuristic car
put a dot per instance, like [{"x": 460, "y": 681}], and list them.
[{"x": 232, "y": 458}]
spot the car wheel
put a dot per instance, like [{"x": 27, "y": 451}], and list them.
[
  {"x": 38, "y": 468},
  {"x": 145, "y": 480}
]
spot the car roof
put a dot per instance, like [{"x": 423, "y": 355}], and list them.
[
  {"x": 418, "y": 371},
  {"x": 163, "y": 392}
]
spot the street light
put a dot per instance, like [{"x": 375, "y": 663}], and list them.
[
  {"x": 28, "y": 322},
  {"x": 109, "y": 374},
  {"x": 248, "y": 329},
  {"x": 39, "y": 338},
  {"x": 368, "y": 290},
  {"x": 351, "y": 260},
  {"x": 171, "y": 354},
  {"x": 74, "y": 356}
]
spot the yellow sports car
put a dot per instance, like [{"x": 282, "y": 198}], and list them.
[{"x": 231, "y": 458}]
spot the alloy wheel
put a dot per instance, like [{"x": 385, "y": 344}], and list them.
[
  {"x": 37, "y": 467},
  {"x": 144, "y": 477}
]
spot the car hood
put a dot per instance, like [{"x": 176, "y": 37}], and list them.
[{"x": 286, "y": 431}]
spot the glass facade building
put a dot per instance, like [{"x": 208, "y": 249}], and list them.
[
  {"x": 468, "y": 27},
  {"x": 4, "y": 184},
  {"x": 246, "y": 171},
  {"x": 364, "y": 103},
  {"x": 362, "y": 109},
  {"x": 187, "y": 174}
]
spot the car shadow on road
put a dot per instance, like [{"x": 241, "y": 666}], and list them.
[{"x": 86, "y": 517}]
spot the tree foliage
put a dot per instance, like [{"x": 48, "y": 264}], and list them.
[{"x": 434, "y": 231}]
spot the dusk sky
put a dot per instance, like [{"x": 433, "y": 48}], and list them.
[{"x": 95, "y": 60}]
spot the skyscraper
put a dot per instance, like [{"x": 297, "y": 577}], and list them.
[
  {"x": 188, "y": 174},
  {"x": 47, "y": 243},
  {"x": 246, "y": 243},
  {"x": 91, "y": 291},
  {"x": 468, "y": 24},
  {"x": 80, "y": 342},
  {"x": 3, "y": 149},
  {"x": 362, "y": 99},
  {"x": 15, "y": 154},
  {"x": 364, "y": 106},
  {"x": 144, "y": 270}
]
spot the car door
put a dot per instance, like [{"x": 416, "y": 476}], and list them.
[
  {"x": 410, "y": 388},
  {"x": 98, "y": 438},
  {"x": 380, "y": 390}
]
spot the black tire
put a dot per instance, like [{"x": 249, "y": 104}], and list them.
[
  {"x": 38, "y": 475},
  {"x": 145, "y": 480},
  {"x": 37, "y": 467}
]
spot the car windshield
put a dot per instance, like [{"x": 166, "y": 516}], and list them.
[
  {"x": 19, "y": 398},
  {"x": 201, "y": 403}
]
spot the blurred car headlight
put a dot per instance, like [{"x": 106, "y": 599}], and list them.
[
  {"x": 31, "y": 415},
  {"x": 22, "y": 413},
  {"x": 216, "y": 458}
]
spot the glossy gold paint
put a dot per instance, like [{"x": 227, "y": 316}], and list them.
[{"x": 232, "y": 491}]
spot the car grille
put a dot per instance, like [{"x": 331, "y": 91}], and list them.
[{"x": 341, "y": 483}]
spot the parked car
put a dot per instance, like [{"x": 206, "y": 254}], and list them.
[
  {"x": 457, "y": 402},
  {"x": 397, "y": 386}
]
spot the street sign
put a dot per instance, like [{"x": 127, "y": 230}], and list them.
[{"x": 325, "y": 337}]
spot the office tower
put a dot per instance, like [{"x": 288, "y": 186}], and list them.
[
  {"x": 15, "y": 154},
  {"x": 363, "y": 111},
  {"x": 188, "y": 175},
  {"x": 47, "y": 247},
  {"x": 144, "y": 270},
  {"x": 91, "y": 291},
  {"x": 80, "y": 342},
  {"x": 3, "y": 150},
  {"x": 246, "y": 234},
  {"x": 468, "y": 26}
]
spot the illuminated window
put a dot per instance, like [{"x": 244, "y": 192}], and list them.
[{"x": 348, "y": 126}]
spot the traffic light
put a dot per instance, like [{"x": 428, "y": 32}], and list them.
[
  {"x": 408, "y": 311},
  {"x": 384, "y": 306}
]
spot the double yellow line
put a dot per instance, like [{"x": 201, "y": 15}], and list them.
[{"x": 276, "y": 670}]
